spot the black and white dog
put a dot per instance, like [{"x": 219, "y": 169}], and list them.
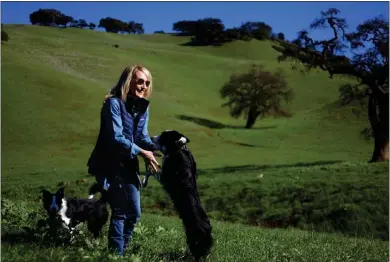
[
  {"x": 72, "y": 211},
  {"x": 178, "y": 178}
]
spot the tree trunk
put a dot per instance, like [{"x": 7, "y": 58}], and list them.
[
  {"x": 252, "y": 116},
  {"x": 381, "y": 149},
  {"x": 378, "y": 113}
]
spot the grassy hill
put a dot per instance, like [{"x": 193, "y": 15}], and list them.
[{"x": 53, "y": 83}]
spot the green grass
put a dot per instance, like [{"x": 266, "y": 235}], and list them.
[
  {"x": 313, "y": 164},
  {"x": 159, "y": 238},
  {"x": 323, "y": 196},
  {"x": 328, "y": 197}
]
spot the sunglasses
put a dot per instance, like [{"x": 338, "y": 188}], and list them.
[{"x": 140, "y": 81}]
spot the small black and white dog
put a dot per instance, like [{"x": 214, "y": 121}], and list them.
[
  {"x": 178, "y": 178},
  {"x": 72, "y": 211}
]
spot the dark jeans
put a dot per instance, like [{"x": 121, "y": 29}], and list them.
[{"x": 126, "y": 212}]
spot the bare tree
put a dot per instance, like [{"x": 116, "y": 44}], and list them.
[{"x": 369, "y": 44}]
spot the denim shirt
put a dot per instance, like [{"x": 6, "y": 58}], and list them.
[{"x": 133, "y": 148}]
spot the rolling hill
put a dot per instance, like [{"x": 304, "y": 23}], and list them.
[{"x": 54, "y": 81}]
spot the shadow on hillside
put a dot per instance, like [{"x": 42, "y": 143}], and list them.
[
  {"x": 191, "y": 43},
  {"x": 242, "y": 144},
  {"x": 233, "y": 169},
  {"x": 178, "y": 34},
  {"x": 216, "y": 125}
]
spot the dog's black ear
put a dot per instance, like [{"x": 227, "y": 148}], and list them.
[
  {"x": 60, "y": 192},
  {"x": 45, "y": 193}
]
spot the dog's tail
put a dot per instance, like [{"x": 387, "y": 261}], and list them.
[{"x": 98, "y": 188}]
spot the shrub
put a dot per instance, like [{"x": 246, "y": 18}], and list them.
[
  {"x": 4, "y": 36},
  {"x": 14, "y": 214}
]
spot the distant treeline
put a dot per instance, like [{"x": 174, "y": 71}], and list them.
[
  {"x": 210, "y": 31},
  {"x": 52, "y": 17},
  {"x": 207, "y": 31}
]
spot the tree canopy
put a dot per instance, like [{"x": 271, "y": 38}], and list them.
[
  {"x": 256, "y": 93},
  {"x": 211, "y": 31},
  {"x": 117, "y": 26},
  {"x": 53, "y": 17}
]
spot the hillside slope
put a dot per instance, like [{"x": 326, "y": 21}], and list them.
[{"x": 54, "y": 80}]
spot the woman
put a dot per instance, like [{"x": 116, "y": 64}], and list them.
[{"x": 123, "y": 136}]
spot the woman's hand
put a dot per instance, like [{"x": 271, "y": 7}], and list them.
[{"x": 149, "y": 158}]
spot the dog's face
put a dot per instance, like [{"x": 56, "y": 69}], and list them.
[
  {"x": 169, "y": 140},
  {"x": 52, "y": 202}
]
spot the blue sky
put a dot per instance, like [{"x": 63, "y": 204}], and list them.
[{"x": 286, "y": 17}]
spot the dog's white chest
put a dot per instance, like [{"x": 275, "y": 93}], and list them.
[{"x": 62, "y": 212}]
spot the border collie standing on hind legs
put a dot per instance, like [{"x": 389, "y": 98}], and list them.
[
  {"x": 73, "y": 211},
  {"x": 178, "y": 178}
]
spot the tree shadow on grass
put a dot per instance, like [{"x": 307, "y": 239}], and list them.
[
  {"x": 192, "y": 43},
  {"x": 214, "y": 124},
  {"x": 245, "y": 168}
]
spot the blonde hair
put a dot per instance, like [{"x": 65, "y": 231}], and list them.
[{"x": 123, "y": 86}]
